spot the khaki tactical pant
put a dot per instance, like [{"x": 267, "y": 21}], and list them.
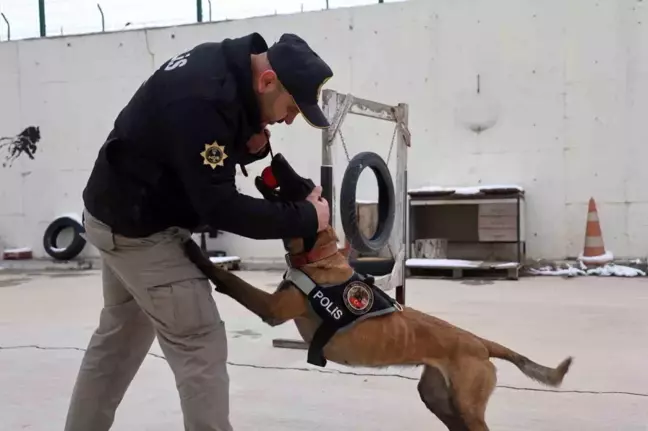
[{"x": 151, "y": 289}]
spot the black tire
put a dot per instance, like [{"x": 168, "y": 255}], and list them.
[
  {"x": 52, "y": 232},
  {"x": 386, "y": 202},
  {"x": 375, "y": 266}
]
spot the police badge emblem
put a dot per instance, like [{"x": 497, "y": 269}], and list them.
[
  {"x": 358, "y": 297},
  {"x": 214, "y": 155}
]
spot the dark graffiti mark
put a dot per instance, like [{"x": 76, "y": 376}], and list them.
[{"x": 25, "y": 142}]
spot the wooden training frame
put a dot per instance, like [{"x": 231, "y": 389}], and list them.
[{"x": 336, "y": 107}]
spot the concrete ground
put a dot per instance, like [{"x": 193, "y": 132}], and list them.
[{"x": 47, "y": 318}]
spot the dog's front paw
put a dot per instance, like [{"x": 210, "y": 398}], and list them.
[
  {"x": 272, "y": 321},
  {"x": 220, "y": 290}
]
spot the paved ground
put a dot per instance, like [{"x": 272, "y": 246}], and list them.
[{"x": 601, "y": 321}]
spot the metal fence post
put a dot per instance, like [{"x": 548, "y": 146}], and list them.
[{"x": 41, "y": 15}]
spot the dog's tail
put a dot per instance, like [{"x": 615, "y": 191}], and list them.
[{"x": 533, "y": 370}]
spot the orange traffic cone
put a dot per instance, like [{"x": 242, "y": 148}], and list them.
[{"x": 594, "y": 251}]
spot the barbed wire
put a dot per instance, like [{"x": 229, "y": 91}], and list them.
[{"x": 19, "y": 19}]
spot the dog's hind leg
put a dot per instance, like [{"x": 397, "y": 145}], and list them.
[
  {"x": 473, "y": 381},
  {"x": 436, "y": 395}
]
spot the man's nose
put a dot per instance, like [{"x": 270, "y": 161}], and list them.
[{"x": 290, "y": 118}]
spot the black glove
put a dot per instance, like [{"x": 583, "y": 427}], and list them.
[
  {"x": 266, "y": 191},
  {"x": 280, "y": 175}
]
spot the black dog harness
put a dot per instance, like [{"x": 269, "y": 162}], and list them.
[{"x": 339, "y": 306}]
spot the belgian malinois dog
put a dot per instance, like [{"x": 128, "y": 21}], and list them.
[{"x": 457, "y": 378}]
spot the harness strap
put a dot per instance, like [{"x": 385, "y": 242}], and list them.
[
  {"x": 301, "y": 280},
  {"x": 315, "y": 350}
]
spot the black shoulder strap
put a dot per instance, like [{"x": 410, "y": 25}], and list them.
[
  {"x": 334, "y": 317},
  {"x": 322, "y": 336}
]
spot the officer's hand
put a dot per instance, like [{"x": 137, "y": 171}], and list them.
[
  {"x": 257, "y": 142},
  {"x": 321, "y": 206}
]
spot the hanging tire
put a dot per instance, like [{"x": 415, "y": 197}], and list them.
[
  {"x": 376, "y": 266},
  {"x": 50, "y": 238},
  {"x": 386, "y": 202}
]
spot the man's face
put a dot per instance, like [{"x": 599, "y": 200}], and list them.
[{"x": 276, "y": 104}]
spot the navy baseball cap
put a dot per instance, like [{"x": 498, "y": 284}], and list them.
[{"x": 303, "y": 73}]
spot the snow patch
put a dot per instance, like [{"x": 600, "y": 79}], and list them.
[
  {"x": 466, "y": 190},
  {"x": 570, "y": 271},
  {"x": 608, "y": 270},
  {"x": 506, "y": 265},
  {"x": 441, "y": 263},
  {"x": 224, "y": 259},
  {"x": 457, "y": 263},
  {"x": 612, "y": 269}
]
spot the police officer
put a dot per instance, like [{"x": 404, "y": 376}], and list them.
[{"x": 167, "y": 168}]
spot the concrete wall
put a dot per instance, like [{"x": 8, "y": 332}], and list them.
[{"x": 561, "y": 81}]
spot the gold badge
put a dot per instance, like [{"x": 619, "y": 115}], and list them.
[{"x": 214, "y": 155}]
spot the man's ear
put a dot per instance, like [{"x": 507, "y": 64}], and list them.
[{"x": 267, "y": 81}]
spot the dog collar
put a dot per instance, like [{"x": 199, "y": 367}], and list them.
[{"x": 301, "y": 259}]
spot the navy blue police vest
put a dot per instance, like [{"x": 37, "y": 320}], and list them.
[{"x": 339, "y": 306}]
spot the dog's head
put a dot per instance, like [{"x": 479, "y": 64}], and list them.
[{"x": 280, "y": 182}]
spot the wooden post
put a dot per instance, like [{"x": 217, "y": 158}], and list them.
[
  {"x": 400, "y": 221},
  {"x": 329, "y": 102}
]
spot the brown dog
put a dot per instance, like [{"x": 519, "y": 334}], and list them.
[
  {"x": 345, "y": 318},
  {"x": 457, "y": 378}
]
